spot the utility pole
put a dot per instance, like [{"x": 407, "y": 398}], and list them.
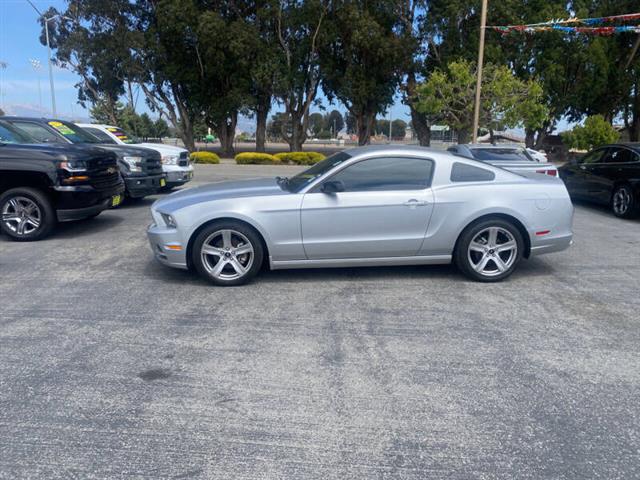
[
  {"x": 389, "y": 124},
  {"x": 50, "y": 61},
  {"x": 476, "y": 110}
]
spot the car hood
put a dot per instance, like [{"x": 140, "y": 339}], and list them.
[
  {"x": 59, "y": 151},
  {"x": 127, "y": 150},
  {"x": 258, "y": 187},
  {"x": 162, "y": 148}
]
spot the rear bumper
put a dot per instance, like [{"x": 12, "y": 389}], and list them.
[
  {"x": 550, "y": 245},
  {"x": 138, "y": 187}
]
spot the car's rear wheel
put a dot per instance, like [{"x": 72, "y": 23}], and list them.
[
  {"x": 227, "y": 253},
  {"x": 489, "y": 250},
  {"x": 623, "y": 202},
  {"x": 26, "y": 214}
]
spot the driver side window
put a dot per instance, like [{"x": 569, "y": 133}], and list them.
[
  {"x": 593, "y": 157},
  {"x": 39, "y": 133},
  {"x": 385, "y": 174}
]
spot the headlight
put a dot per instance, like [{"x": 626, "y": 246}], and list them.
[
  {"x": 73, "y": 166},
  {"x": 170, "y": 160},
  {"x": 168, "y": 220},
  {"x": 134, "y": 163}
]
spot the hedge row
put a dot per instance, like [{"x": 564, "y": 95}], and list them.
[
  {"x": 297, "y": 158},
  {"x": 204, "y": 157}
]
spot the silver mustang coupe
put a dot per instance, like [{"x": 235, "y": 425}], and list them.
[{"x": 366, "y": 206}]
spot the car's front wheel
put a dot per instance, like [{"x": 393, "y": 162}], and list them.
[
  {"x": 26, "y": 214},
  {"x": 623, "y": 202},
  {"x": 227, "y": 253},
  {"x": 489, "y": 250}
]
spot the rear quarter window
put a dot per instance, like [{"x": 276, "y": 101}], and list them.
[{"x": 462, "y": 172}]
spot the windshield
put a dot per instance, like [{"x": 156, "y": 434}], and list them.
[
  {"x": 123, "y": 136},
  {"x": 8, "y": 134},
  {"x": 501, "y": 154},
  {"x": 72, "y": 132},
  {"x": 302, "y": 179}
]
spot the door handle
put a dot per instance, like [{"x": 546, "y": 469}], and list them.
[{"x": 414, "y": 203}]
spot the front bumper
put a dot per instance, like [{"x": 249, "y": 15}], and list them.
[
  {"x": 177, "y": 175},
  {"x": 138, "y": 187},
  {"x": 81, "y": 201},
  {"x": 164, "y": 242}
]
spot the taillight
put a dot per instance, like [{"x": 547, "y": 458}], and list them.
[{"x": 552, "y": 172}]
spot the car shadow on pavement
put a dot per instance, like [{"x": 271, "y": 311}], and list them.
[
  {"x": 90, "y": 226},
  {"x": 599, "y": 209}
]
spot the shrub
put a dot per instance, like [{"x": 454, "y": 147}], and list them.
[
  {"x": 300, "y": 158},
  {"x": 595, "y": 132},
  {"x": 255, "y": 158},
  {"x": 204, "y": 157}
]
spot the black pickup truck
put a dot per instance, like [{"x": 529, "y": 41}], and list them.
[
  {"x": 141, "y": 168},
  {"x": 43, "y": 184}
]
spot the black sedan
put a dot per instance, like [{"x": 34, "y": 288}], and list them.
[{"x": 609, "y": 175}]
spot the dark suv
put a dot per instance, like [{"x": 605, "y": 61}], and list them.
[
  {"x": 43, "y": 184},
  {"x": 141, "y": 168}
]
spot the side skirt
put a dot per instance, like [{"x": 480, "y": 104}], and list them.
[{"x": 360, "y": 262}]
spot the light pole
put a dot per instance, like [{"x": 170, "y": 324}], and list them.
[
  {"x": 46, "y": 31},
  {"x": 476, "y": 109},
  {"x": 3, "y": 66},
  {"x": 37, "y": 66}
]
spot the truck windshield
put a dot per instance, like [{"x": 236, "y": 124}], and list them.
[
  {"x": 123, "y": 136},
  {"x": 301, "y": 180},
  {"x": 8, "y": 134},
  {"x": 72, "y": 132}
]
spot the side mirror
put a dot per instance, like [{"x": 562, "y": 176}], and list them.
[{"x": 332, "y": 186}]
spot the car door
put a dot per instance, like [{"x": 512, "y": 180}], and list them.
[
  {"x": 578, "y": 176},
  {"x": 383, "y": 210},
  {"x": 601, "y": 175}
]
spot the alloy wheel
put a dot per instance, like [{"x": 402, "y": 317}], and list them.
[
  {"x": 492, "y": 251},
  {"x": 227, "y": 254},
  {"x": 621, "y": 201},
  {"x": 21, "y": 215}
]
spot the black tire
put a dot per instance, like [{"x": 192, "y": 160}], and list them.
[
  {"x": 26, "y": 199},
  {"x": 498, "y": 263},
  {"x": 624, "y": 203},
  {"x": 213, "y": 235}
]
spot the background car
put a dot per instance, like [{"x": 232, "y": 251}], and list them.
[
  {"x": 537, "y": 155},
  {"x": 175, "y": 160},
  {"x": 140, "y": 167},
  {"x": 510, "y": 157},
  {"x": 609, "y": 175},
  {"x": 366, "y": 206},
  {"x": 41, "y": 185}
]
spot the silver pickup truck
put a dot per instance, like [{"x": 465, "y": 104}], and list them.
[{"x": 509, "y": 157}]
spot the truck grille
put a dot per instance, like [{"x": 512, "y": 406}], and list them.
[
  {"x": 107, "y": 179},
  {"x": 183, "y": 160},
  {"x": 152, "y": 165}
]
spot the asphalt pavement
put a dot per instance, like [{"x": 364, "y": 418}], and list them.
[{"x": 114, "y": 366}]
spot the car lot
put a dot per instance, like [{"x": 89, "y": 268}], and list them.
[{"x": 113, "y": 366}]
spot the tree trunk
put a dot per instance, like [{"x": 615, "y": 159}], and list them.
[
  {"x": 463, "y": 135},
  {"x": 634, "y": 130},
  {"x": 262, "y": 113},
  {"x": 419, "y": 121},
  {"x": 421, "y": 127},
  {"x": 365, "y": 123},
  {"x": 298, "y": 133},
  {"x": 542, "y": 135},
  {"x": 187, "y": 137},
  {"x": 226, "y": 129},
  {"x": 530, "y": 138}
]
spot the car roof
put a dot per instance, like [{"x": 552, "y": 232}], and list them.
[
  {"x": 632, "y": 145},
  {"x": 492, "y": 146},
  {"x": 395, "y": 149},
  {"x": 36, "y": 119}
]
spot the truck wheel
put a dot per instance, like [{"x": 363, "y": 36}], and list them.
[{"x": 27, "y": 214}]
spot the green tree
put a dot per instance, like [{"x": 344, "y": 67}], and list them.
[
  {"x": 316, "y": 123},
  {"x": 358, "y": 58},
  {"x": 333, "y": 122},
  {"x": 596, "y": 131},
  {"x": 448, "y": 96},
  {"x": 298, "y": 27}
]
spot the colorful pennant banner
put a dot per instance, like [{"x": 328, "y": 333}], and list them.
[{"x": 566, "y": 25}]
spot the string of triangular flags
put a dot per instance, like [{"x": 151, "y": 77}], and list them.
[{"x": 589, "y": 26}]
